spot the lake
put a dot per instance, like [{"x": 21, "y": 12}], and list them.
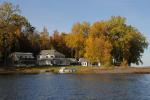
[{"x": 75, "y": 87}]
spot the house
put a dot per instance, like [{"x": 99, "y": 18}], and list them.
[
  {"x": 21, "y": 59},
  {"x": 52, "y": 57},
  {"x": 85, "y": 62},
  {"x": 73, "y": 61}
]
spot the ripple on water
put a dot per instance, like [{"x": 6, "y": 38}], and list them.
[{"x": 75, "y": 87}]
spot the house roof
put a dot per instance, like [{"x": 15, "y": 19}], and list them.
[
  {"x": 83, "y": 60},
  {"x": 22, "y": 53},
  {"x": 51, "y": 52},
  {"x": 17, "y": 55},
  {"x": 73, "y": 60}
]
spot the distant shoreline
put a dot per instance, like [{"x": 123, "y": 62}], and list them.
[{"x": 79, "y": 70}]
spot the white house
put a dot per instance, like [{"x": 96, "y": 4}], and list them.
[
  {"x": 52, "y": 57},
  {"x": 85, "y": 62}
]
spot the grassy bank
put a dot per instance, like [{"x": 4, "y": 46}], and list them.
[
  {"x": 25, "y": 70},
  {"x": 79, "y": 70}
]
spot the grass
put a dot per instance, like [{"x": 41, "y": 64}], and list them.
[{"x": 79, "y": 70}]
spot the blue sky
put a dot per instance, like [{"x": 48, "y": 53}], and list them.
[{"x": 62, "y": 14}]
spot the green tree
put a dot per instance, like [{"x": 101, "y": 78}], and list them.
[{"x": 128, "y": 43}]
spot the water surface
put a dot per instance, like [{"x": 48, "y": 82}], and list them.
[{"x": 75, "y": 87}]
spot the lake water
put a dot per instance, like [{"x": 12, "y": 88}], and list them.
[{"x": 75, "y": 87}]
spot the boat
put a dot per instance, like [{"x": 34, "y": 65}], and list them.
[{"x": 67, "y": 70}]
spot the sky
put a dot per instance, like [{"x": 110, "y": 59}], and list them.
[{"x": 62, "y": 14}]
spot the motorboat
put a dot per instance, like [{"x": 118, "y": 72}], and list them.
[{"x": 67, "y": 70}]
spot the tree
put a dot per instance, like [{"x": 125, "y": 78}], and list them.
[
  {"x": 98, "y": 50},
  {"x": 29, "y": 40},
  {"x": 128, "y": 43},
  {"x": 82, "y": 28},
  {"x": 58, "y": 43},
  {"x": 11, "y": 24},
  {"x": 76, "y": 39},
  {"x": 100, "y": 28},
  {"x": 44, "y": 39}
]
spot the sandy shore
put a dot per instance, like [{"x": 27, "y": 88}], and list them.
[
  {"x": 79, "y": 70},
  {"x": 117, "y": 70}
]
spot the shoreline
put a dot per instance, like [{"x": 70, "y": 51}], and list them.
[
  {"x": 79, "y": 70},
  {"x": 116, "y": 70}
]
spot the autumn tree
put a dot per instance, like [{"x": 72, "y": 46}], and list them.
[
  {"x": 58, "y": 43},
  {"x": 127, "y": 42},
  {"x": 100, "y": 28},
  {"x": 98, "y": 50},
  {"x": 44, "y": 39},
  {"x": 76, "y": 39},
  {"x": 29, "y": 40},
  {"x": 11, "y": 24}
]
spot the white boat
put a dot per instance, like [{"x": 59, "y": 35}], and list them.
[
  {"x": 66, "y": 70},
  {"x": 61, "y": 70}
]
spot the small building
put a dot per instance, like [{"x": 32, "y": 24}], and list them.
[
  {"x": 21, "y": 59},
  {"x": 85, "y": 62},
  {"x": 52, "y": 57}
]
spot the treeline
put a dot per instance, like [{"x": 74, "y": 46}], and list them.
[{"x": 111, "y": 42}]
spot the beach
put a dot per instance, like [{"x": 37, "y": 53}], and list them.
[{"x": 79, "y": 70}]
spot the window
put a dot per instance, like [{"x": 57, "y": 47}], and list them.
[
  {"x": 40, "y": 57},
  {"x": 84, "y": 63},
  {"x": 30, "y": 56},
  {"x": 47, "y": 56},
  {"x": 52, "y": 56},
  {"x": 25, "y": 57}
]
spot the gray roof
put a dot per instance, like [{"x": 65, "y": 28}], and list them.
[
  {"x": 22, "y": 53},
  {"x": 51, "y": 52},
  {"x": 83, "y": 60},
  {"x": 73, "y": 60},
  {"x": 18, "y": 55}
]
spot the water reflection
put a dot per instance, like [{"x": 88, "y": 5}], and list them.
[{"x": 75, "y": 87}]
